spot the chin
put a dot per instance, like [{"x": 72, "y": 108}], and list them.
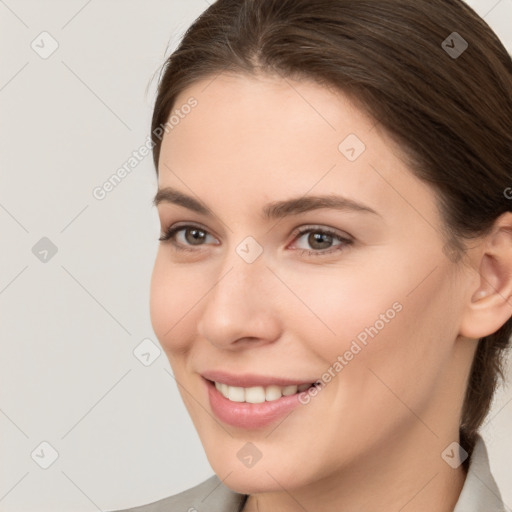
[
  {"x": 252, "y": 481},
  {"x": 270, "y": 473}
]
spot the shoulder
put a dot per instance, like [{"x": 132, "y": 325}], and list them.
[{"x": 211, "y": 495}]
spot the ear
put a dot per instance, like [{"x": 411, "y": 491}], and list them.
[{"x": 489, "y": 304}]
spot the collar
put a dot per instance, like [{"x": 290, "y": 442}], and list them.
[{"x": 480, "y": 492}]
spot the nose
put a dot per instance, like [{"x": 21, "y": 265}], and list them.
[{"x": 242, "y": 305}]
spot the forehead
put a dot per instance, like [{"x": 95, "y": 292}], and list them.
[
  {"x": 273, "y": 137},
  {"x": 264, "y": 106}
]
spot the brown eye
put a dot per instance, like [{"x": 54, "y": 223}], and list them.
[
  {"x": 194, "y": 236},
  {"x": 320, "y": 240},
  {"x": 184, "y": 237}
]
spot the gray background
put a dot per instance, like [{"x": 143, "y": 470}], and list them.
[{"x": 69, "y": 325}]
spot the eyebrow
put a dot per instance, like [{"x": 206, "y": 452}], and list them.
[{"x": 274, "y": 210}]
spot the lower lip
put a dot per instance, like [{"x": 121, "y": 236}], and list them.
[{"x": 246, "y": 415}]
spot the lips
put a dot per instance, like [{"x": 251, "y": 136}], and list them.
[
  {"x": 235, "y": 410},
  {"x": 248, "y": 380}
]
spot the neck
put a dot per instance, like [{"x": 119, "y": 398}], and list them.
[{"x": 406, "y": 475}]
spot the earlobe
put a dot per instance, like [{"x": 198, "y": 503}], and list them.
[{"x": 490, "y": 304}]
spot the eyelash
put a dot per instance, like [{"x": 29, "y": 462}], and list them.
[{"x": 169, "y": 234}]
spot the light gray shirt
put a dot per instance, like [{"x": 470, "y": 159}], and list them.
[{"x": 479, "y": 493}]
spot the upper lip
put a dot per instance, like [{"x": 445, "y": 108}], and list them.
[{"x": 248, "y": 380}]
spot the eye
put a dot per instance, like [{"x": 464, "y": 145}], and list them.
[
  {"x": 321, "y": 240},
  {"x": 189, "y": 234}
]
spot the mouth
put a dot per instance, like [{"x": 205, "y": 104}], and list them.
[
  {"x": 258, "y": 394},
  {"x": 252, "y": 402}
]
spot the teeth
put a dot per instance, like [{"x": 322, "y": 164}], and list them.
[
  {"x": 272, "y": 393},
  {"x": 258, "y": 394},
  {"x": 255, "y": 395},
  {"x": 289, "y": 390},
  {"x": 236, "y": 394}
]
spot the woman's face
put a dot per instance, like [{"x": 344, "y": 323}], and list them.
[{"x": 364, "y": 300}]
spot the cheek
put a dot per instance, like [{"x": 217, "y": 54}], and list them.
[
  {"x": 332, "y": 307},
  {"x": 174, "y": 293},
  {"x": 407, "y": 350},
  {"x": 380, "y": 319}
]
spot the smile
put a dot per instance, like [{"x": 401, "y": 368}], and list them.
[
  {"x": 251, "y": 401},
  {"x": 259, "y": 394}
]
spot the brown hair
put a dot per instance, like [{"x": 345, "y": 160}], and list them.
[{"x": 451, "y": 114}]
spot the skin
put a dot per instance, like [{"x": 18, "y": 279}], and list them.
[{"x": 372, "y": 438}]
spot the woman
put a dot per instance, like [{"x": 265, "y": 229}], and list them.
[{"x": 334, "y": 280}]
